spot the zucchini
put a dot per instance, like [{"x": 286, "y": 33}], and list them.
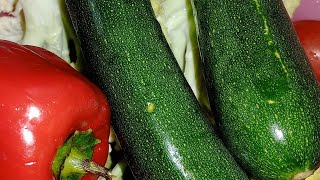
[
  {"x": 265, "y": 98},
  {"x": 161, "y": 127}
]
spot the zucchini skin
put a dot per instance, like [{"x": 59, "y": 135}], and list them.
[
  {"x": 161, "y": 127},
  {"x": 261, "y": 87}
]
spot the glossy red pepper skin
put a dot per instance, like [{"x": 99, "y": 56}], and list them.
[
  {"x": 43, "y": 101},
  {"x": 309, "y": 35}
]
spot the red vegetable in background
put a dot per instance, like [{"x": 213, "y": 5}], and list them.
[
  {"x": 43, "y": 101},
  {"x": 309, "y": 36}
]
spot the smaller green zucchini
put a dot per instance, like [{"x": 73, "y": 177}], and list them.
[{"x": 162, "y": 129}]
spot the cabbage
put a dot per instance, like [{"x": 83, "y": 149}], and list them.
[
  {"x": 178, "y": 25},
  {"x": 42, "y": 23},
  {"x": 291, "y": 6}
]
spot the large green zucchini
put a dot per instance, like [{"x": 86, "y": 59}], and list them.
[
  {"x": 160, "y": 125},
  {"x": 261, "y": 87}
]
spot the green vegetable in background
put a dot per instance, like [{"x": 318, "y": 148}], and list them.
[{"x": 261, "y": 87}]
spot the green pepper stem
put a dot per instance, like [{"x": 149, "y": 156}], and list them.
[
  {"x": 77, "y": 163},
  {"x": 94, "y": 168},
  {"x": 73, "y": 158}
]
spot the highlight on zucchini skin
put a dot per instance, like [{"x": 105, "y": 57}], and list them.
[
  {"x": 160, "y": 125},
  {"x": 265, "y": 98}
]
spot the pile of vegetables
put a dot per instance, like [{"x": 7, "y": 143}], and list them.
[{"x": 188, "y": 99}]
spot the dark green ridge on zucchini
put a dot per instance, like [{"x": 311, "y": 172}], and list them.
[
  {"x": 160, "y": 125},
  {"x": 261, "y": 87}
]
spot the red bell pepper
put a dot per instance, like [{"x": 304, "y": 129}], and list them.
[
  {"x": 43, "y": 101},
  {"x": 308, "y": 32}
]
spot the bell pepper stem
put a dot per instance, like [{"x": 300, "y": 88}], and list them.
[
  {"x": 94, "y": 168},
  {"x": 73, "y": 158},
  {"x": 76, "y": 162}
]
